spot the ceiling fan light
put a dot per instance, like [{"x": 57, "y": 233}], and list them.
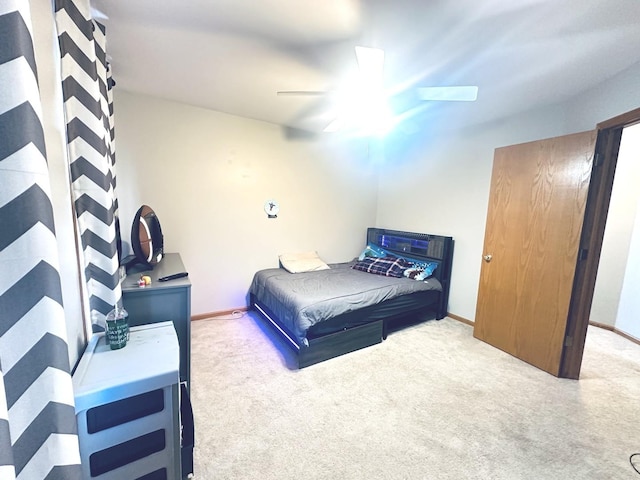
[
  {"x": 370, "y": 64},
  {"x": 455, "y": 94}
]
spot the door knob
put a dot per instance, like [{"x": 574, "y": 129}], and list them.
[{"x": 487, "y": 258}]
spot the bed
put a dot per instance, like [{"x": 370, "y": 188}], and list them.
[{"x": 325, "y": 313}]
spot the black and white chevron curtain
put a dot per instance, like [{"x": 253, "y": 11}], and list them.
[
  {"x": 86, "y": 85},
  {"x": 38, "y": 433},
  {"x": 38, "y": 436}
]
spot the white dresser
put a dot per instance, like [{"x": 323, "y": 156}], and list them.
[{"x": 127, "y": 406}]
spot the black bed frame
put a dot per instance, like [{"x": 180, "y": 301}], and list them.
[{"x": 415, "y": 245}]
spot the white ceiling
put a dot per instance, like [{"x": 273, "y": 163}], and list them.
[{"x": 234, "y": 55}]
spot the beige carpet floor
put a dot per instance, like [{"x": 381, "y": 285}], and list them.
[{"x": 430, "y": 402}]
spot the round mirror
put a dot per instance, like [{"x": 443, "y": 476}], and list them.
[{"x": 146, "y": 237}]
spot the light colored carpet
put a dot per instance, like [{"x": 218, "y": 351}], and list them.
[{"x": 430, "y": 402}]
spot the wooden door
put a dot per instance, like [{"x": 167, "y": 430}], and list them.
[{"x": 532, "y": 237}]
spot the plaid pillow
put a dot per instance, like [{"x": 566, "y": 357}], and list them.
[{"x": 388, "y": 266}]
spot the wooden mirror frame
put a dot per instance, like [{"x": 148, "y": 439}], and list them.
[{"x": 147, "y": 240}]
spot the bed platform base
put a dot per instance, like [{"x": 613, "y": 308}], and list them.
[{"x": 328, "y": 346}]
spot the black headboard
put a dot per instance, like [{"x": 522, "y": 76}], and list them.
[{"x": 421, "y": 246}]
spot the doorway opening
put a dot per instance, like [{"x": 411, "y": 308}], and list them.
[
  {"x": 598, "y": 201},
  {"x": 614, "y": 305}
]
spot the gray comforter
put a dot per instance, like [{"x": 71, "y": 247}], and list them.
[{"x": 300, "y": 300}]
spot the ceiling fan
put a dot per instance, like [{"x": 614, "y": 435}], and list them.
[{"x": 366, "y": 101}]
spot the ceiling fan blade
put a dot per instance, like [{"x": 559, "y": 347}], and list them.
[
  {"x": 336, "y": 125},
  {"x": 371, "y": 64},
  {"x": 455, "y": 94},
  {"x": 308, "y": 93}
]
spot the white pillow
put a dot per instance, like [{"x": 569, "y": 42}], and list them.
[{"x": 302, "y": 262}]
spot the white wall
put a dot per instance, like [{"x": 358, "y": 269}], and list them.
[
  {"x": 208, "y": 174},
  {"x": 441, "y": 185},
  {"x": 628, "y": 319},
  {"x": 440, "y": 182},
  {"x": 617, "y": 235},
  {"x": 618, "y": 95}
]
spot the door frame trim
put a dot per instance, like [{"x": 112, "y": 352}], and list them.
[{"x": 595, "y": 219}]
